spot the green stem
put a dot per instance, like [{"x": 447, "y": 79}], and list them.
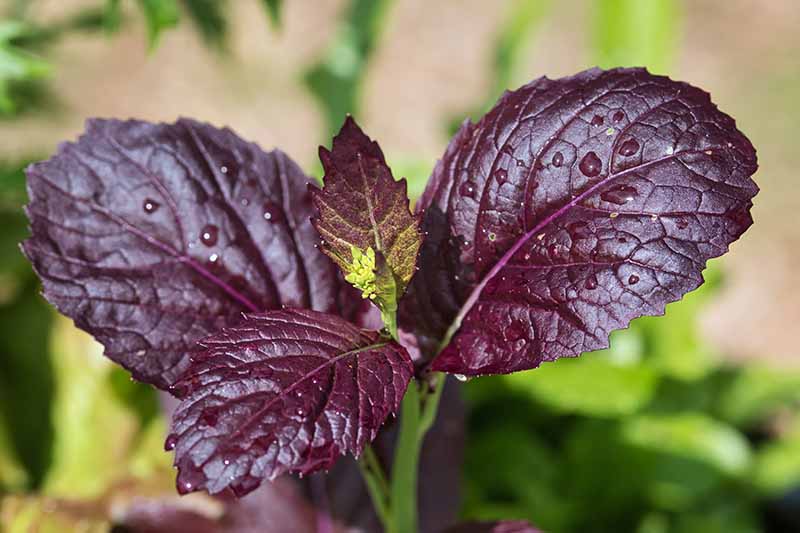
[
  {"x": 377, "y": 485},
  {"x": 403, "y": 512},
  {"x": 417, "y": 414}
]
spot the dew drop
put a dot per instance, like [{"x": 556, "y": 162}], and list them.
[
  {"x": 229, "y": 169},
  {"x": 185, "y": 487},
  {"x": 610, "y": 131},
  {"x": 633, "y": 280},
  {"x": 213, "y": 258},
  {"x": 597, "y": 120},
  {"x": 670, "y": 150},
  {"x": 150, "y": 206},
  {"x": 654, "y": 217},
  {"x": 558, "y": 159},
  {"x": 618, "y": 116},
  {"x": 467, "y": 190},
  {"x": 226, "y": 462},
  {"x": 209, "y": 234},
  {"x": 172, "y": 440},
  {"x": 301, "y": 411},
  {"x": 590, "y": 165},
  {"x": 501, "y": 176},
  {"x": 591, "y": 282},
  {"x": 272, "y": 212},
  {"x": 629, "y": 147},
  {"x": 460, "y": 377},
  {"x": 619, "y": 195},
  {"x": 613, "y": 215},
  {"x": 492, "y": 236}
]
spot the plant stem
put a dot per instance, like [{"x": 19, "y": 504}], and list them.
[
  {"x": 403, "y": 511},
  {"x": 377, "y": 485},
  {"x": 417, "y": 414}
]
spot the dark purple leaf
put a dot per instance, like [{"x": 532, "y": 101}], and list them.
[
  {"x": 276, "y": 507},
  {"x": 151, "y": 236},
  {"x": 283, "y": 391},
  {"x": 506, "y": 526},
  {"x": 578, "y": 205},
  {"x": 362, "y": 207}
]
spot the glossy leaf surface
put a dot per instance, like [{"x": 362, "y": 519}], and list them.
[
  {"x": 284, "y": 391},
  {"x": 152, "y": 236},
  {"x": 575, "y": 206}
]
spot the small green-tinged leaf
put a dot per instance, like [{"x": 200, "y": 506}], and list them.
[{"x": 364, "y": 219}]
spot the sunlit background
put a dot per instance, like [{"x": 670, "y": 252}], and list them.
[{"x": 689, "y": 423}]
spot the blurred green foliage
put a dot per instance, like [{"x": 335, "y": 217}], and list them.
[
  {"x": 620, "y": 441},
  {"x": 335, "y": 80}
]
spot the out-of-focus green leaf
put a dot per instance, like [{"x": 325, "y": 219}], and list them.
[
  {"x": 722, "y": 517},
  {"x": 672, "y": 343},
  {"x": 13, "y": 477},
  {"x": 273, "y": 8},
  {"x": 608, "y": 383},
  {"x": 777, "y": 464},
  {"x": 159, "y": 15},
  {"x": 633, "y": 32},
  {"x": 26, "y": 379},
  {"x": 86, "y": 462},
  {"x": 757, "y": 392},
  {"x": 605, "y": 477},
  {"x": 16, "y": 65},
  {"x": 209, "y": 18},
  {"x": 335, "y": 80},
  {"x": 29, "y": 514},
  {"x": 113, "y": 16},
  {"x": 513, "y": 468},
  {"x": 692, "y": 435}
]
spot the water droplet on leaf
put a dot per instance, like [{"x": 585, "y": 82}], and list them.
[
  {"x": 618, "y": 116},
  {"x": 150, "y": 206},
  {"x": 597, "y": 120},
  {"x": 460, "y": 377},
  {"x": 633, "y": 280},
  {"x": 467, "y": 190},
  {"x": 272, "y": 212},
  {"x": 590, "y": 165},
  {"x": 558, "y": 159},
  {"x": 591, "y": 282},
  {"x": 619, "y": 195},
  {"x": 629, "y": 147},
  {"x": 501, "y": 176},
  {"x": 209, "y": 234},
  {"x": 172, "y": 440}
]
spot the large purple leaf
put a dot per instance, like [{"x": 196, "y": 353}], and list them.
[
  {"x": 151, "y": 236},
  {"x": 577, "y": 205},
  {"x": 283, "y": 391}
]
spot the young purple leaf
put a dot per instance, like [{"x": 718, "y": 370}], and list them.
[
  {"x": 284, "y": 391},
  {"x": 364, "y": 218},
  {"x": 579, "y": 204},
  {"x": 152, "y": 236}
]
